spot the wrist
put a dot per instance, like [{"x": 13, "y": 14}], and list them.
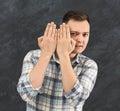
[
  {"x": 46, "y": 55},
  {"x": 64, "y": 56}
]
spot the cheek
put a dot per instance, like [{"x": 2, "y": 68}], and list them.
[
  {"x": 74, "y": 38},
  {"x": 86, "y": 40}
]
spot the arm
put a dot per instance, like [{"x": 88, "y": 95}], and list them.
[
  {"x": 38, "y": 72},
  {"x": 64, "y": 47},
  {"x": 47, "y": 45},
  {"x": 77, "y": 88},
  {"x": 33, "y": 74},
  {"x": 84, "y": 84},
  {"x": 24, "y": 87},
  {"x": 68, "y": 76}
]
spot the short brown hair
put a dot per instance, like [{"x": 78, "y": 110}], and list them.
[{"x": 75, "y": 15}]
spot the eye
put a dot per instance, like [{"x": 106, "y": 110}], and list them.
[
  {"x": 85, "y": 35},
  {"x": 74, "y": 34}
]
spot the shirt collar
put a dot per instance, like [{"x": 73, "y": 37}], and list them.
[{"x": 76, "y": 59}]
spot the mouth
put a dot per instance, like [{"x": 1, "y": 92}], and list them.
[{"x": 79, "y": 46}]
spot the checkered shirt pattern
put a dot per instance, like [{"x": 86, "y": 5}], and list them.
[{"x": 51, "y": 96}]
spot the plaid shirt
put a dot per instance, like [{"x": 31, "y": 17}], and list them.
[{"x": 51, "y": 96}]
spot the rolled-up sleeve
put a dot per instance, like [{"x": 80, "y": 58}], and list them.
[
  {"x": 24, "y": 87},
  {"x": 84, "y": 84}
]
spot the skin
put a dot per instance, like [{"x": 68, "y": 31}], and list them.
[
  {"x": 47, "y": 43},
  {"x": 69, "y": 40},
  {"x": 80, "y": 33}
]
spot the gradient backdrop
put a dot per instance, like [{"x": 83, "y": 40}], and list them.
[{"x": 22, "y": 21}]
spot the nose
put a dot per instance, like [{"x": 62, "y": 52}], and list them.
[{"x": 79, "y": 38}]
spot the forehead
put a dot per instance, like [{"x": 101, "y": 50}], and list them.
[{"x": 80, "y": 26}]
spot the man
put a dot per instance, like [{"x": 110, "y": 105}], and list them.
[{"x": 57, "y": 77}]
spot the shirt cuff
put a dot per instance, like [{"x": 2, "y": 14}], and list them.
[{"x": 75, "y": 91}]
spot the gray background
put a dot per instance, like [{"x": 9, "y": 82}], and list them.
[{"x": 22, "y": 21}]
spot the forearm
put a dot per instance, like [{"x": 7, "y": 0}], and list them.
[
  {"x": 38, "y": 72},
  {"x": 68, "y": 76}
]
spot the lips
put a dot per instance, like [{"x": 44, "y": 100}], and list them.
[{"x": 79, "y": 46}]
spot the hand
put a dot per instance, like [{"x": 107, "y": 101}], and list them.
[
  {"x": 65, "y": 44},
  {"x": 47, "y": 42}
]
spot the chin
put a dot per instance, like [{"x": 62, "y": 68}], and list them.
[{"x": 77, "y": 51}]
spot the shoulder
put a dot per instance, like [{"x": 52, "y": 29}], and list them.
[
  {"x": 86, "y": 61},
  {"x": 33, "y": 54}
]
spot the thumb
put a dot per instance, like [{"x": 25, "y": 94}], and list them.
[
  {"x": 40, "y": 41},
  {"x": 72, "y": 45},
  {"x": 73, "y": 42}
]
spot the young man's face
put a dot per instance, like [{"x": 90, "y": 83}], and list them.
[{"x": 79, "y": 31}]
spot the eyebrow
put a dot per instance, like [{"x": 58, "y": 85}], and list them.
[
  {"x": 77, "y": 32},
  {"x": 74, "y": 32}
]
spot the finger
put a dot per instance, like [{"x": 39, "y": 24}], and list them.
[
  {"x": 55, "y": 35},
  {"x": 46, "y": 30},
  {"x": 73, "y": 42},
  {"x": 60, "y": 32},
  {"x": 67, "y": 32},
  {"x": 50, "y": 29},
  {"x": 64, "y": 30},
  {"x": 40, "y": 41},
  {"x": 53, "y": 31}
]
